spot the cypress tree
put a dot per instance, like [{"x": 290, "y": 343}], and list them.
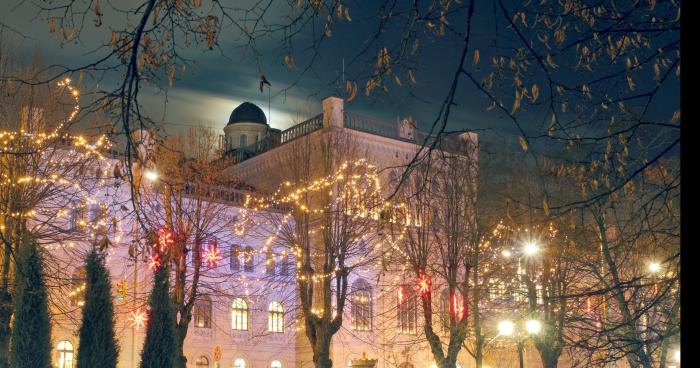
[
  {"x": 30, "y": 345},
  {"x": 159, "y": 346},
  {"x": 98, "y": 346}
]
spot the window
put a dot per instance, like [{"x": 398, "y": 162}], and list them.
[
  {"x": 276, "y": 364},
  {"x": 248, "y": 261},
  {"x": 239, "y": 363},
  {"x": 275, "y": 318},
  {"x": 65, "y": 354},
  {"x": 407, "y": 310},
  {"x": 202, "y": 312},
  {"x": 77, "y": 291},
  {"x": 78, "y": 216},
  {"x": 243, "y": 140},
  {"x": 239, "y": 315},
  {"x": 235, "y": 257},
  {"x": 202, "y": 361},
  {"x": 270, "y": 263},
  {"x": 285, "y": 265},
  {"x": 445, "y": 310},
  {"x": 361, "y": 306}
]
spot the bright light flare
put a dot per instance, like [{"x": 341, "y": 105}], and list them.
[
  {"x": 533, "y": 326},
  {"x": 151, "y": 175},
  {"x": 506, "y": 253},
  {"x": 531, "y": 248},
  {"x": 654, "y": 267},
  {"x": 677, "y": 356},
  {"x": 506, "y": 328}
]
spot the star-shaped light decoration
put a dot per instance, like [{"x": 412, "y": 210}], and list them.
[
  {"x": 212, "y": 255},
  {"x": 165, "y": 239},
  {"x": 138, "y": 318},
  {"x": 457, "y": 307},
  {"x": 154, "y": 263},
  {"x": 423, "y": 284}
]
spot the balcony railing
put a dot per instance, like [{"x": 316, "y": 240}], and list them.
[{"x": 377, "y": 127}]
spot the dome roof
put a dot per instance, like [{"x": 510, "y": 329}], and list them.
[{"x": 247, "y": 113}]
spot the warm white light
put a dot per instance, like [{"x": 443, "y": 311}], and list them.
[
  {"x": 654, "y": 267},
  {"x": 151, "y": 175},
  {"x": 533, "y": 326},
  {"x": 530, "y": 248},
  {"x": 506, "y": 253},
  {"x": 677, "y": 356},
  {"x": 506, "y": 328}
]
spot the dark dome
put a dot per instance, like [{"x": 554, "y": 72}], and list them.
[{"x": 247, "y": 113}]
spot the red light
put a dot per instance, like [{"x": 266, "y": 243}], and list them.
[
  {"x": 457, "y": 307},
  {"x": 423, "y": 285},
  {"x": 165, "y": 239},
  {"x": 154, "y": 263},
  {"x": 212, "y": 255}
]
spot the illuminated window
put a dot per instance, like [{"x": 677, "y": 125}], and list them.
[
  {"x": 65, "y": 354},
  {"x": 361, "y": 306},
  {"x": 276, "y": 364},
  {"x": 239, "y": 363},
  {"x": 202, "y": 361},
  {"x": 202, "y": 312},
  {"x": 270, "y": 263},
  {"x": 77, "y": 292},
  {"x": 239, "y": 314},
  {"x": 275, "y": 318},
  {"x": 235, "y": 257},
  {"x": 248, "y": 261},
  {"x": 407, "y": 310}
]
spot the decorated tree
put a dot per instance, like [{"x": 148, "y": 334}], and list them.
[
  {"x": 31, "y": 332},
  {"x": 98, "y": 344}
]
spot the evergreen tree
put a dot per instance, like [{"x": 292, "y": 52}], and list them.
[
  {"x": 159, "y": 347},
  {"x": 98, "y": 346},
  {"x": 30, "y": 345}
]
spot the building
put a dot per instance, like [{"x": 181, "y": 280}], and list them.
[{"x": 247, "y": 317}]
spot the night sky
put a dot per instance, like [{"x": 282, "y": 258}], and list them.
[{"x": 222, "y": 78}]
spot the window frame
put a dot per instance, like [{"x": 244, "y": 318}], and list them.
[
  {"x": 275, "y": 317},
  {"x": 240, "y": 315}
]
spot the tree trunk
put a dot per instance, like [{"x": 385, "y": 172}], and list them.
[
  {"x": 322, "y": 350},
  {"x": 6, "y": 297},
  {"x": 550, "y": 359}
]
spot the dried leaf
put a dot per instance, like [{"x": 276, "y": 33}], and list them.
[
  {"x": 676, "y": 117},
  {"x": 523, "y": 143},
  {"x": 340, "y": 11},
  {"x": 171, "y": 74},
  {"x": 411, "y": 78},
  {"x": 347, "y": 14},
  {"x": 289, "y": 62},
  {"x": 397, "y": 80},
  {"x": 545, "y": 207},
  {"x": 52, "y": 25},
  {"x": 535, "y": 91},
  {"x": 415, "y": 47},
  {"x": 476, "y": 56},
  {"x": 516, "y": 102},
  {"x": 327, "y": 31}
]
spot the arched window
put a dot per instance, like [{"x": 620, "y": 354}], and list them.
[
  {"x": 361, "y": 306},
  {"x": 275, "y": 318},
  {"x": 77, "y": 289},
  {"x": 270, "y": 262},
  {"x": 243, "y": 140},
  {"x": 407, "y": 309},
  {"x": 202, "y": 362},
  {"x": 202, "y": 312},
  {"x": 65, "y": 354},
  {"x": 249, "y": 258},
  {"x": 239, "y": 315},
  {"x": 276, "y": 364},
  {"x": 235, "y": 257},
  {"x": 239, "y": 363}
]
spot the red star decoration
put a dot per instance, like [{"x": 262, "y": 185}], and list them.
[
  {"x": 212, "y": 255},
  {"x": 138, "y": 318},
  {"x": 165, "y": 239},
  {"x": 423, "y": 284},
  {"x": 154, "y": 263}
]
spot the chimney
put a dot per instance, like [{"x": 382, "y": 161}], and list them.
[{"x": 333, "y": 112}]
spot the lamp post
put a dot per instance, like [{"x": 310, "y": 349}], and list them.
[{"x": 508, "y": 328}]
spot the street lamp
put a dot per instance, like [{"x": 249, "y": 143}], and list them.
[
  {"x": 151, "y": 175},
  {"x": 654, "y": 267},
  {"x": 531, "y": 248},
  {"x": 507, "y": 328}
]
